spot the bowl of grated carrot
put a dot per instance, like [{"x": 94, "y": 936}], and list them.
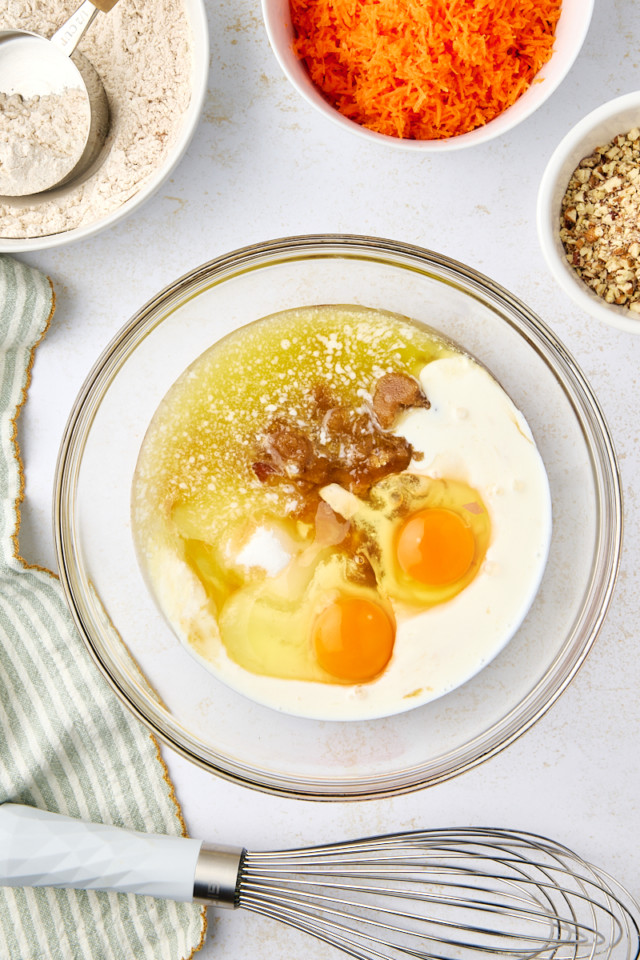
[{"x": 432, "y": 76}]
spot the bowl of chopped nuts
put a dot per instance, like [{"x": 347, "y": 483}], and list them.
[{"x": 588, "y": 213}]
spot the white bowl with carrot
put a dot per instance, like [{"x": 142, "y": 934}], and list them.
[{"x": 426, "y": 76}]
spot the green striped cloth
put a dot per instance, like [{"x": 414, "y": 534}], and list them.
[{"x": 66, "y": 742}]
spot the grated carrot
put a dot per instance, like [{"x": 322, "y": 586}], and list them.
[{"x": 423, "y": 69}]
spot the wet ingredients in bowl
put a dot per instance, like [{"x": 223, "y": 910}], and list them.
[{"x": 340, "y": 513}]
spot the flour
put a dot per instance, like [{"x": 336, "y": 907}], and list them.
[
  {"x": 41, "y": 139},
  {"x": 142, "y": 52}
]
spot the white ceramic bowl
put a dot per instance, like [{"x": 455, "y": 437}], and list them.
[
  {"x": 199, "y": 76},
  {"x": 597, "y": 128},
  {"x": 570, "y": 34}
]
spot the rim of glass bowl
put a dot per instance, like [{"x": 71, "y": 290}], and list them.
[{"x": 592, "y": 424}]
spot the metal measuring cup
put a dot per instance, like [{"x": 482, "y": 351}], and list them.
[{"x": 33, "y": 67}]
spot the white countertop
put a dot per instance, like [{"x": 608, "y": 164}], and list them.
[{"x": 263, "y": 165}]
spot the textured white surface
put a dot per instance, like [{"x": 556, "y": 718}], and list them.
[
  {"x": 263, "y": 164},
  {"x": 39, "y": 849}
]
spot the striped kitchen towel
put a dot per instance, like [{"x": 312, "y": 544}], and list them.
[{"x": 66, "y": 742}]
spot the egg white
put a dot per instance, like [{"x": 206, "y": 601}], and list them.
[{"x": 472, "y": 432}]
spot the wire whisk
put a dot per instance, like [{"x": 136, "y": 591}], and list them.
[
  {"x": 459, "y": 894},
  {"x": 446, "y": 895}
]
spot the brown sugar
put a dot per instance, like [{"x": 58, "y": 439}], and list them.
[
  {"x": 339, "y": 444},
  {"x": 393, "y": 393}
]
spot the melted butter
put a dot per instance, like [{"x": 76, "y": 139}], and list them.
[
  {"x": 195, "y": 466},
  {"x": 196, "y": 493}
]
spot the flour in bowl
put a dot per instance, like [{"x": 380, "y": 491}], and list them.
[
  {"x": 41, "y": 139},
  {"x": 142, "y": 52}
]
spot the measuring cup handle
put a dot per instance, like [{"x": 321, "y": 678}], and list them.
[
  {"x": 68, "y": 36},
  {"x": 104, "y": 5}
]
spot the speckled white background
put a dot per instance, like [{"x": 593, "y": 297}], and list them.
[{"x": 264, "y": 165}]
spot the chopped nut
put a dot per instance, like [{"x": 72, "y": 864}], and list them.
[{"x": 600, "y": 225}]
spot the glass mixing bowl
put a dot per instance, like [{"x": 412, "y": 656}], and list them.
[{"x": 182, "y": 703}]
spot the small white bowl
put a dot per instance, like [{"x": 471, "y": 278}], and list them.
[
  {"x": 199, "y": 77},
  {"x": 571, "y": 31},
  {"x": 596, "y": 129}
]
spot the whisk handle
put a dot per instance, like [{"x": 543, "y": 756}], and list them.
[{"x": 42, "y": 849}]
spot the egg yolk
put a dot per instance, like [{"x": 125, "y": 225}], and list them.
[
  {"x": 353, "y": 639},
  {"x": 435, "y": 546}
]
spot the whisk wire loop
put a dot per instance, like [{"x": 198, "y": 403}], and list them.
[
  {"x": 307, "y": 893},
  {"x": 446, "y": 895}
]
